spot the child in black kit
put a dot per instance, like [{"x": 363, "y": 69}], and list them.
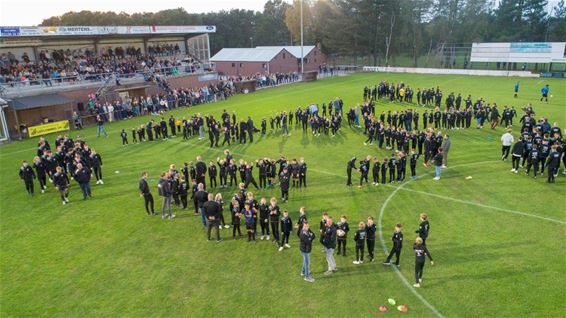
[
  {"x": 236, "y": 217},
  {"x": 376, "y": 169},
  {"x": 124, "y": 136},
  {"x": 397, "y": 239},
  {"x": 134, "y": 134},
  {"x": 342, "y": 235},
  {"x": 370, "y": 237},
  {"x": 264, "y": 219},
  {"x": 212, "y": 173},
  {"x": 274, "y": 214},
  {"x": 360, "y": 238},
  {"x": 420, "y": 252},
  {"x": 286, "y": 228},
  {"x": 384, "y": 167},
  {"x": 249, "y": 216},
  {"x": 414, "y": 158}
]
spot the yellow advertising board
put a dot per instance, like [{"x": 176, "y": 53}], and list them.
[{"x": 45, "y": 129}]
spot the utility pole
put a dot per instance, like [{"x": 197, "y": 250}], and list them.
[{"x": 302, "y": 53}]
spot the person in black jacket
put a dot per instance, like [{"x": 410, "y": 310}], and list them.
[
  {"x": 212, "y": 209},
  {"x": 146, "y": 194},
  {"x": 274, "y": 214},
  {"x": 201, "y": 197},
  {"x": 370, "y": 237},
  {"x": 250, "y": 126},
  {"x": 82, "y": 176},
  {"x": 165, "y": 191},
  {"x": 360, "y": 238},
  {"x": 329, "y": 242},
  {"x": 286, "y": 228},
  {"x": 351, "y": 165},
  {"x": 40, "y": 169},
  {"x": 264, "y": 219},
  {"x": 212, "y": 173},
  {"x": 306, "y": 236},
  {"x": 183, "y": 189},
  {"x": 96, "y": 166},
  {"x": 27, "y": 175},
  {"x": 420, "y": 252},
  {"x": 61, "y": 182},
  {"x": 284, "y": 184},
  {"x": 397, "y": 239},
  {"x": 342, "y": 229},
  {"x": 249, "y": 177},
  {"x": 516, "y": 154},
  {"x": 552, "y": 163},
  {"x": 424, "y": 227},
  {"x": 302, "y": 173},
  {"x": 201, "y": 171}
]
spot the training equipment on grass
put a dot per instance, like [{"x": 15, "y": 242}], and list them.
[
  {"x": 391, "y": 301},
  {"x": 403, "y": 308},
  {"x": 116, "y": 171},
  {"x": 469, "y": 178},
  {"x": 382, "y": 308}
]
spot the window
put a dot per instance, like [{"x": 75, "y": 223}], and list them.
[
  {"x": 264, "y": 65},
  {"x": 241, "y": 64},
  {"x": 233, "y": 64},
  {"x": 283, "y": 55}
]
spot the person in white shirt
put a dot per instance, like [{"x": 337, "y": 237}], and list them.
[{"x": 506, "y": 142}]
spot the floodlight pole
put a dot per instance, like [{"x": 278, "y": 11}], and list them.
[{"x": 302, "y": 54}]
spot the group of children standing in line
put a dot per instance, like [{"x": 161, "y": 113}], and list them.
[{"x": 174, "y": 186}]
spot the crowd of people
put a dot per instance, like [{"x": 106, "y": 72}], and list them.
[
  {"x": 223, "y": 173},
  {"x": 69, "y": 160},
  {"x": 539, "y": 146},
  {"x": 57, "y": 66}
]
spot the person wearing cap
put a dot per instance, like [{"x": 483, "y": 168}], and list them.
[{"x": 506, "y": 142}]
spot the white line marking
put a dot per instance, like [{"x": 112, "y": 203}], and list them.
[
  {"x": 401, "y": 187},
  {"x": 397, "y": 271},
  {"x": 486, "y": 206}
]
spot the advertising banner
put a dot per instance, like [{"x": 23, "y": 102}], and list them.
[{"x": 45, "y": 129}]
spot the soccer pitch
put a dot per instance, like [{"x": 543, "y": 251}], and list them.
[{"x": 497, "y": 239}]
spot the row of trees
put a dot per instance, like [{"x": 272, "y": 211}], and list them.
[{"x": 376, "y": 28}]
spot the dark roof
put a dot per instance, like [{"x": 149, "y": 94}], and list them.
[{"x": 29, "y": 102}]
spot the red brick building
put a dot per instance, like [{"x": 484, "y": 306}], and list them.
[{"x": 267, "y": 60}]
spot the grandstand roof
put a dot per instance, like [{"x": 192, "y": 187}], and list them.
[
  {"x": 28, "y": 102},
  {"x": 246, "y": 55},
  {"x": 295, "y": 50}
]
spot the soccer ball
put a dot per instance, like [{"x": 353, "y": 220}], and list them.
[
  {"x": 116, "y": 171},
  {"x": 340, "y": 232}
]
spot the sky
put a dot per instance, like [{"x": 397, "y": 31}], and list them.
[{"x": 32, "y": 12}]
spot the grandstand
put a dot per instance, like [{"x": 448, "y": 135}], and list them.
[{"x": 65, "y": 65}]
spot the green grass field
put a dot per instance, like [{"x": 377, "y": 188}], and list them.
[{"x": 497, "y": 240}]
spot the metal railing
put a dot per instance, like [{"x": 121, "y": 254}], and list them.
[{"x": 19, "y": 88}]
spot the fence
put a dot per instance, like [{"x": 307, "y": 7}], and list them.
[{"x": 447, "y": 71}]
